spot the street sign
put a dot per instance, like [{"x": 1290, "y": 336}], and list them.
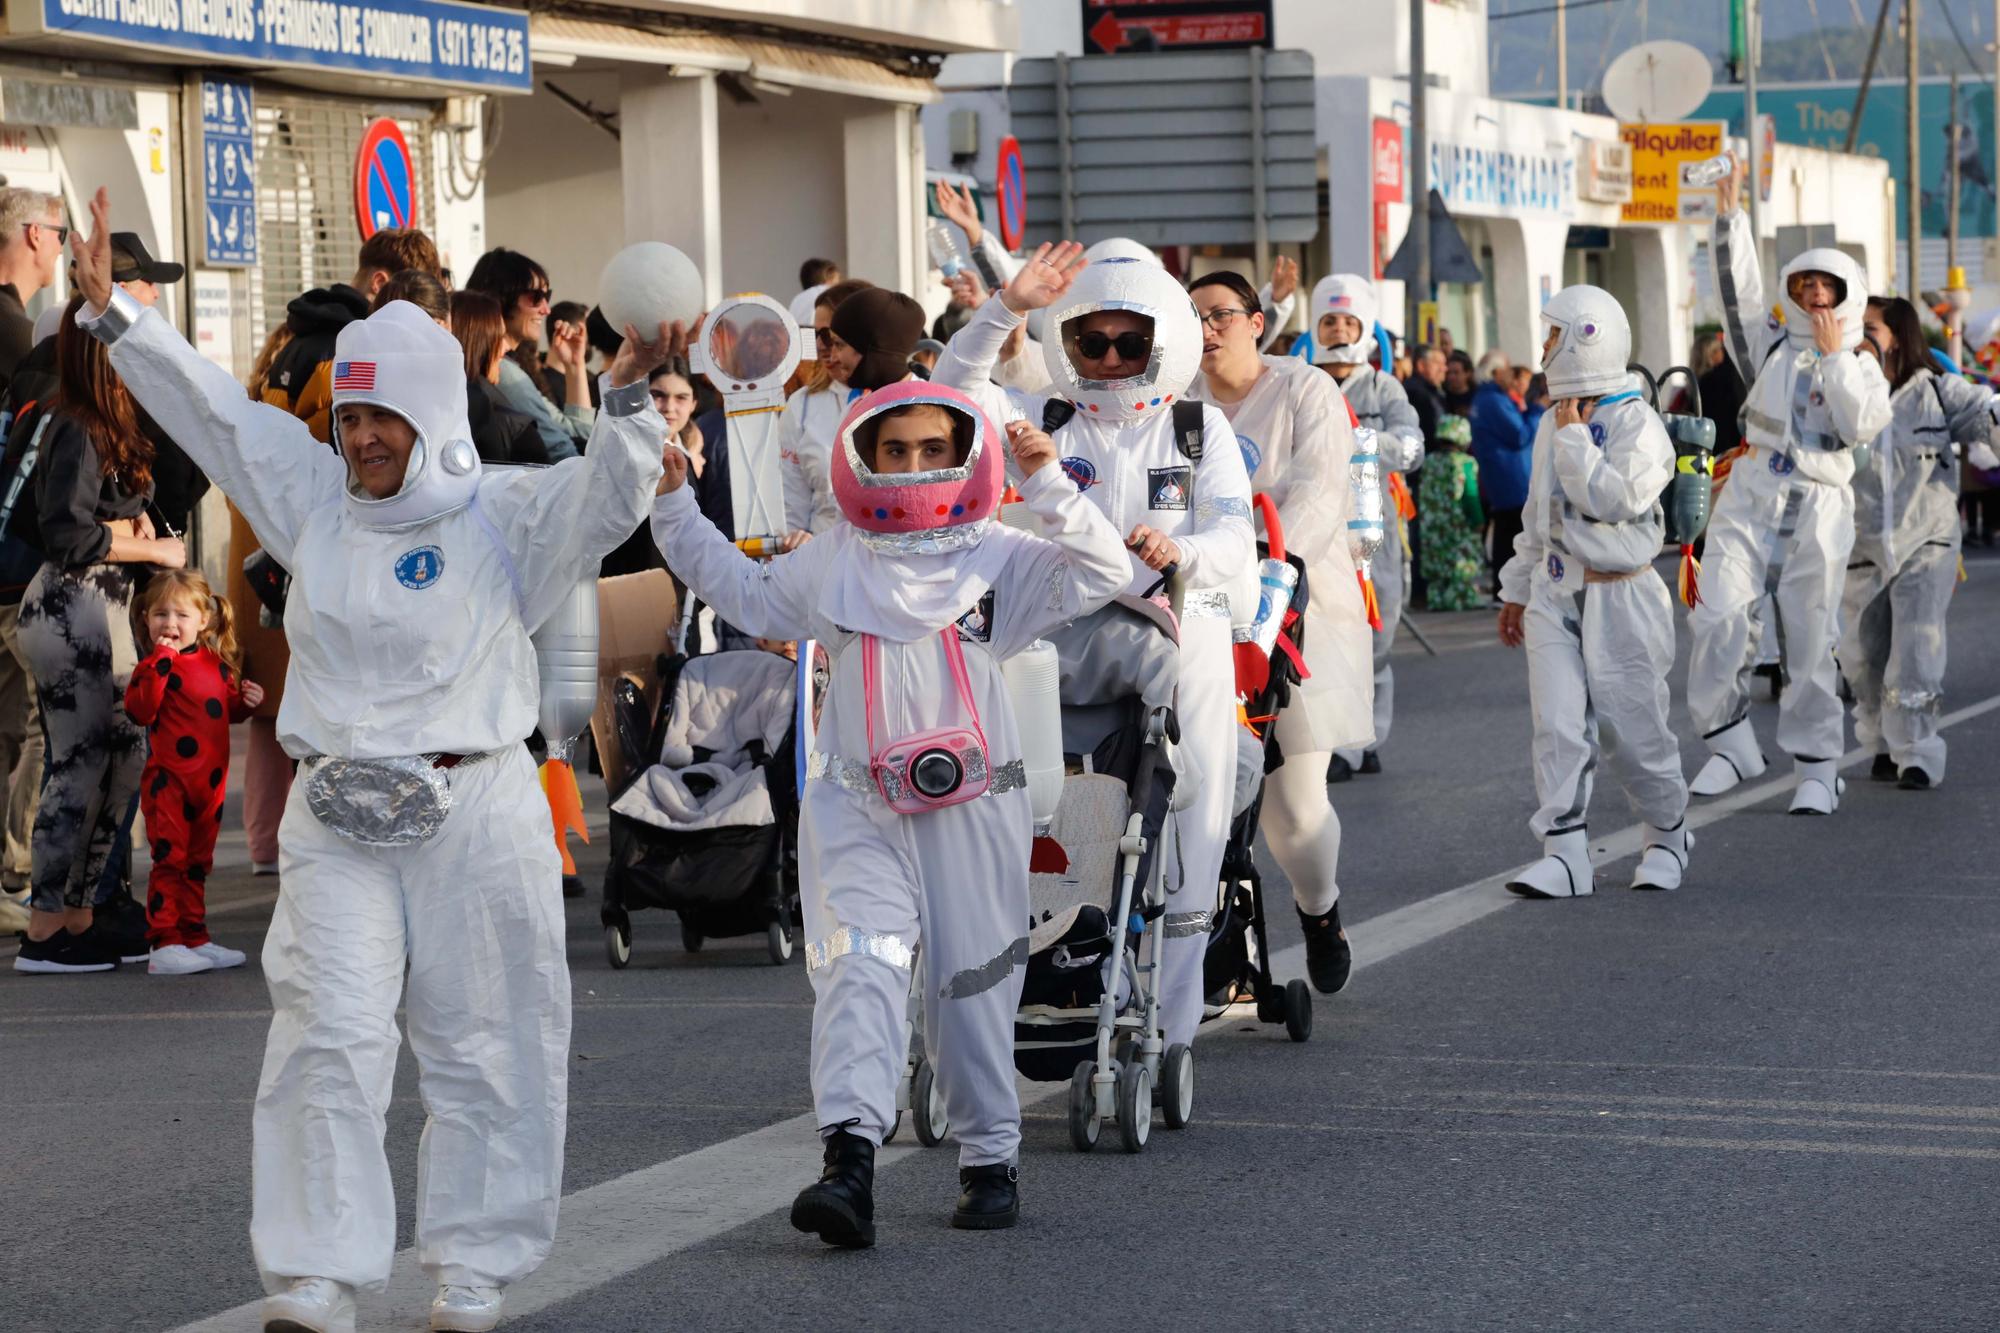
[
  {"x": 1010, "y": 188},
  {"x": 228, "y": 175},
  {"x": 1661, "y": 153},
  {"x": 1114, "y": 27},
  {"x": 384, "y": 184},
  {"x": 1169, "y": 149}
]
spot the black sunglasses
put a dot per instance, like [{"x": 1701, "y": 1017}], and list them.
[
  {"x": 538, "y": 295},
  {"x": 1093, "y": 344},
  {"x": 62, "y": 232}
]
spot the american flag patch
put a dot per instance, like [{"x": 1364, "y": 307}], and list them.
[{"x": 354, "y": 376}]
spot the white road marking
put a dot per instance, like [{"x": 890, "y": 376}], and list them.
[{"x": 634, "y": 1220}]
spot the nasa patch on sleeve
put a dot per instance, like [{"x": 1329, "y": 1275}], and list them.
[
  {"x": 1167, "y": 487},
  {"x": 420, "y": 568}
]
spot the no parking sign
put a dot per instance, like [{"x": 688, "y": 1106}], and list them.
[
  {"x": 385, "y": 192},
  {"x": 1011, "y": 187}
]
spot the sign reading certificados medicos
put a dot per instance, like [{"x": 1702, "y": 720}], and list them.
[
  {"x": 1661, "y": 155},
  {"x": 432, "y": 41}
]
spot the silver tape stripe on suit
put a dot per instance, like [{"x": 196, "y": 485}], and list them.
[{"x": 851, "y": 940}]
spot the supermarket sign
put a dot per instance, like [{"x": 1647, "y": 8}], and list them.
[{"x": 430, "y": 41}]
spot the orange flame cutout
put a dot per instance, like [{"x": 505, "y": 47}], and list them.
[
  {"x": 565, "y": 808},
  {"x": 1373, "y": 607}
]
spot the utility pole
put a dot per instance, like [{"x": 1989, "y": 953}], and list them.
[
  {"x": 1420, "y": 176},
  {"x": 1951, "y": 209},
  {"x": 1913, "y": 211},
  {"x": 1868, "y": 73},
  {"x": 1752, "y": 48},
  {"x": 1562, "y": 54}
]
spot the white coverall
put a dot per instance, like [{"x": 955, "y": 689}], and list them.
[
  {"x": 1784, "y": 521},
  {"x": 1904, "y": 567},
  {"x": 410, "y": 640},
  {"x": 1382, "y": 404},
  {"x": 874, "y": 882},
  {"x": 1598, "y": 652},
  {"x": 1296, "y": 442},
  {"x": 1135, "y": 473},
  {"x": 807, "y": 429}
]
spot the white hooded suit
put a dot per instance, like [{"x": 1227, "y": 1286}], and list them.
[{"x": 408, "y": 620}]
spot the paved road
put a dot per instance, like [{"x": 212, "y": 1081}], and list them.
[{"x": 1771, "y": 1101}]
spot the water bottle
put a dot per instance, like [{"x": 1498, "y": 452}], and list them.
[
  {"x": 1708, "y": 171},
  {"x": 1033, "y": 678},
  {"x": 943, "y": 247},
  {"x": 566, "y": 663}
]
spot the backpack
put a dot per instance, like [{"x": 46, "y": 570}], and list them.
[{"x": 1188, "y": 427}]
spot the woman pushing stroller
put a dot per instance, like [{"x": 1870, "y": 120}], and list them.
[{"x": 915, "y": 820}]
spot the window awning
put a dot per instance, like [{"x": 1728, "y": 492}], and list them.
[{"x": 572, "y": 39}]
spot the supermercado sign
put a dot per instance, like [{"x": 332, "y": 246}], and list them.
[
  {"x": 1503, "y": 181},
  {"x": 436, "y": 41}
]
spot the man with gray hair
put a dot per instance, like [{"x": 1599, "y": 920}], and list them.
[{"x": 31, "y": 245}]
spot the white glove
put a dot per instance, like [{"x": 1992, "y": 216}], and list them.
[{"x": 1980, "y": 454}]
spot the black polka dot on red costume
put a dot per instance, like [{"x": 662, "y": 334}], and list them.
[
  {"x": 187, "y": 747},
  {"x": 190, "y": 811},
  {"x": 173, "y": 682},
  {"x": 199, "y": 874},
  {"x": 159, "y": 783},
  {"x": 156, "y": 902},
  {"x": 215, "y": 777},
  {"x": 164, "y": 666},
  {"x": 162, "y": 849},
  {"x": 213, "y": 707}
]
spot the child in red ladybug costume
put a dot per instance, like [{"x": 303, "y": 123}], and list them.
[{"x": 185, "y": 692}]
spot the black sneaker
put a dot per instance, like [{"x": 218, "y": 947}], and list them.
[
  {"x": 1883, "y": 769},
  {"x": 1339, "y": 770},
  {"x": 64, "y": 952},
  {"x": 123, "y": 922},
  {"x": 1328, "y": 959},
  {"x": 989, "y": 1198},
  {"x": 1914, "y": 779},
  {"x": 1371, "y": 763}
]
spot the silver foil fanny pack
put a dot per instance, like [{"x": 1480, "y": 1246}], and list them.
[{"x": 381, "y": 802}]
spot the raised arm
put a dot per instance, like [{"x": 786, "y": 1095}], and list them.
[
  {"x": 770, "y": 599},
  {"x": 1747, "y": 327},
  {"x": 973, "y": 352},
  {"x": 1969, "y": 410}
]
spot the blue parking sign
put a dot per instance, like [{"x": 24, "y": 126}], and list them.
[{"x": 228, "y": 174}]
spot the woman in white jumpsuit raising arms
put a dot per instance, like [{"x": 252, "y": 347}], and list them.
[
  {"x": 417, "y": 834},
  {"x": 1296, "y": 441},
  {"x": 1124, "y": 344},
  {"x": 919, "y": 595}
]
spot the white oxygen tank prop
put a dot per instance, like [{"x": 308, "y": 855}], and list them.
[
  {"x": 1369, "y": 527},
  {"x": 647, "y": 285},
  {"x": 566, "y": 662},
  {"x": 1034, "y": 680}
]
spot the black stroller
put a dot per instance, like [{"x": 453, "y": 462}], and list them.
[{"x": 707, "y": 826}]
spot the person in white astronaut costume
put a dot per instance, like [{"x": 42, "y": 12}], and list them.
[
  {"x": 1297, "y": 442},
  {"x": 417, "y": 579},
  {"x": 920, "y": 578},
  {"x": 1581, "y": 591},
  {"x": 1124, "y": 345},
  {"x": 1342, "y": 325},
  {"x": 1784, "y": 522},
  {"x": 1904, "y": 566}
]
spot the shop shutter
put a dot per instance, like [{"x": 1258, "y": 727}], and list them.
[{"x": 308, "y": 236}]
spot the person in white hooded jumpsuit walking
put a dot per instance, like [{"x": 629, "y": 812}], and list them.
[
  {"x": 1341, "y": 323},
  {"x": 1784, "y": 522},
  {"x": 918, "y": 595},
  {"x": 1581, "y": 591},
  {"x": 417, "y": 579},
  {"x": 1124, "y": 345},
  {"x": 1904, "y": 566}
]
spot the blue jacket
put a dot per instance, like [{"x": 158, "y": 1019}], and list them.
[{"x": 1503, "y": 440}]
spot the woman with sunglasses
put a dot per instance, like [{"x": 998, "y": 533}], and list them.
[
  {"x": 812, "y": 417},
  {"x": 1296, "y": 438},
  {"x": 521, "y": 286}
]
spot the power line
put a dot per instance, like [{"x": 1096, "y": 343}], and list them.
[
  {"x": 1959, "y": 37},
  {"x": 1546, "y": 9}
]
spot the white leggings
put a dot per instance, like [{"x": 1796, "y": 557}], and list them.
[{"x": 1302, "y": 830}]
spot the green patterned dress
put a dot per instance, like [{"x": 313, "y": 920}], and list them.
[{"x": 1452, "y": 517}]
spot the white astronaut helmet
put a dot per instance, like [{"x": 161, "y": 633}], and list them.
[
  {"x": 1850, "y": 301},
  {"x": 1120, "y": 247},
  {"x": 398, "y": 358},
  {"x": 1595, "y": 345},
  {"x": 1342, "y": 294},
  {"x": 1172, "y": 359}
]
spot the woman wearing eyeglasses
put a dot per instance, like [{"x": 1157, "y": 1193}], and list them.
[
  {"x": 521, "y": 286},
  {"x": 1297, "y": 438}
]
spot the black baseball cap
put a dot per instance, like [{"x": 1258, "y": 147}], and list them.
[{"x": 131, "y": 262}]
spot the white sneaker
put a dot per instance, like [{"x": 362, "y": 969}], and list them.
[
  {"x": 14, "y": 913},
  {"x": 1735, "y": 759},
  {"x": 1664, "y": 859},
  {"x": 466, "y": 1309},
  {"x": 261, "y": 868},
  {"x": 221, "y": 956},
  {"x": 1563, "y": 872},
  {"x": 1820, "y": 787},
  {"x": 176, "y": 960},
  {"x": 311, "y": 1305}
]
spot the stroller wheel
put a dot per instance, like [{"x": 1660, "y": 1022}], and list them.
[
  {"x": 691, "y": 939},
  {"x": 1298, "y": 1011},
  {"x": 618, "y": 945},
  {"x": 927, "y": 1111},
  {"x": 1084, "y": 1122},
  {"x": 778, "y": 941},
  {"x": 1135, "y": 1107},
  {"x": 1177, "y": 1085}
]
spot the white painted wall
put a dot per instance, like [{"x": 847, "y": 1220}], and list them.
[
  {"x": 783, "y": 189},
  {"x": 555, "y": 190},
  {"x": 671, "y": 153}
]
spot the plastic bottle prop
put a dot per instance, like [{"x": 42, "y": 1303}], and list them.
[
  {"x": 1691, "y": 493},
  {"x": 1277, "y": 582},
  {"x": 1367, "y": 528},
  {"x": 749, "y": 348},
  {"x": 566, "y": 662},
  {"x": 1033, "y": 678}
]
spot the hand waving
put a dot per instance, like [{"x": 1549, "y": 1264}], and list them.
[
  {"x": 638, "y": 358},
  {"x": 93, "y": 253},
  {"x": 1044, "y": 278}
]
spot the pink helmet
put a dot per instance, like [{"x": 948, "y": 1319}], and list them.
[{"x": 912, "y": 513}]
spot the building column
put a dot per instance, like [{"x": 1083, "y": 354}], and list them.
[
  {"x": 1662, "y": 316},
  {"x": 884, "y": 176},
  {"x": 670, "y": 161},
  {"x": 1527, "y": 271}
]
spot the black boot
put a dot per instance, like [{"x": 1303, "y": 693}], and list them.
[
  {"x": 1914, "y": 779},
  {"x": 1328, "y": 959},
  {"x": 840, "y": 1208},
  {"x": 989, "y": 1197},
  {"x": 1339, "y": 770},
  {"x": 1883, "y": 769},
  {"x": 1371, "y": 763}
]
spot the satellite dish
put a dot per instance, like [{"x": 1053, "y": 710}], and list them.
[{"x": 1657, "y": 81}]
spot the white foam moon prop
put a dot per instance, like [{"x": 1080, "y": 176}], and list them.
[{"x": 647, "y": 285}]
